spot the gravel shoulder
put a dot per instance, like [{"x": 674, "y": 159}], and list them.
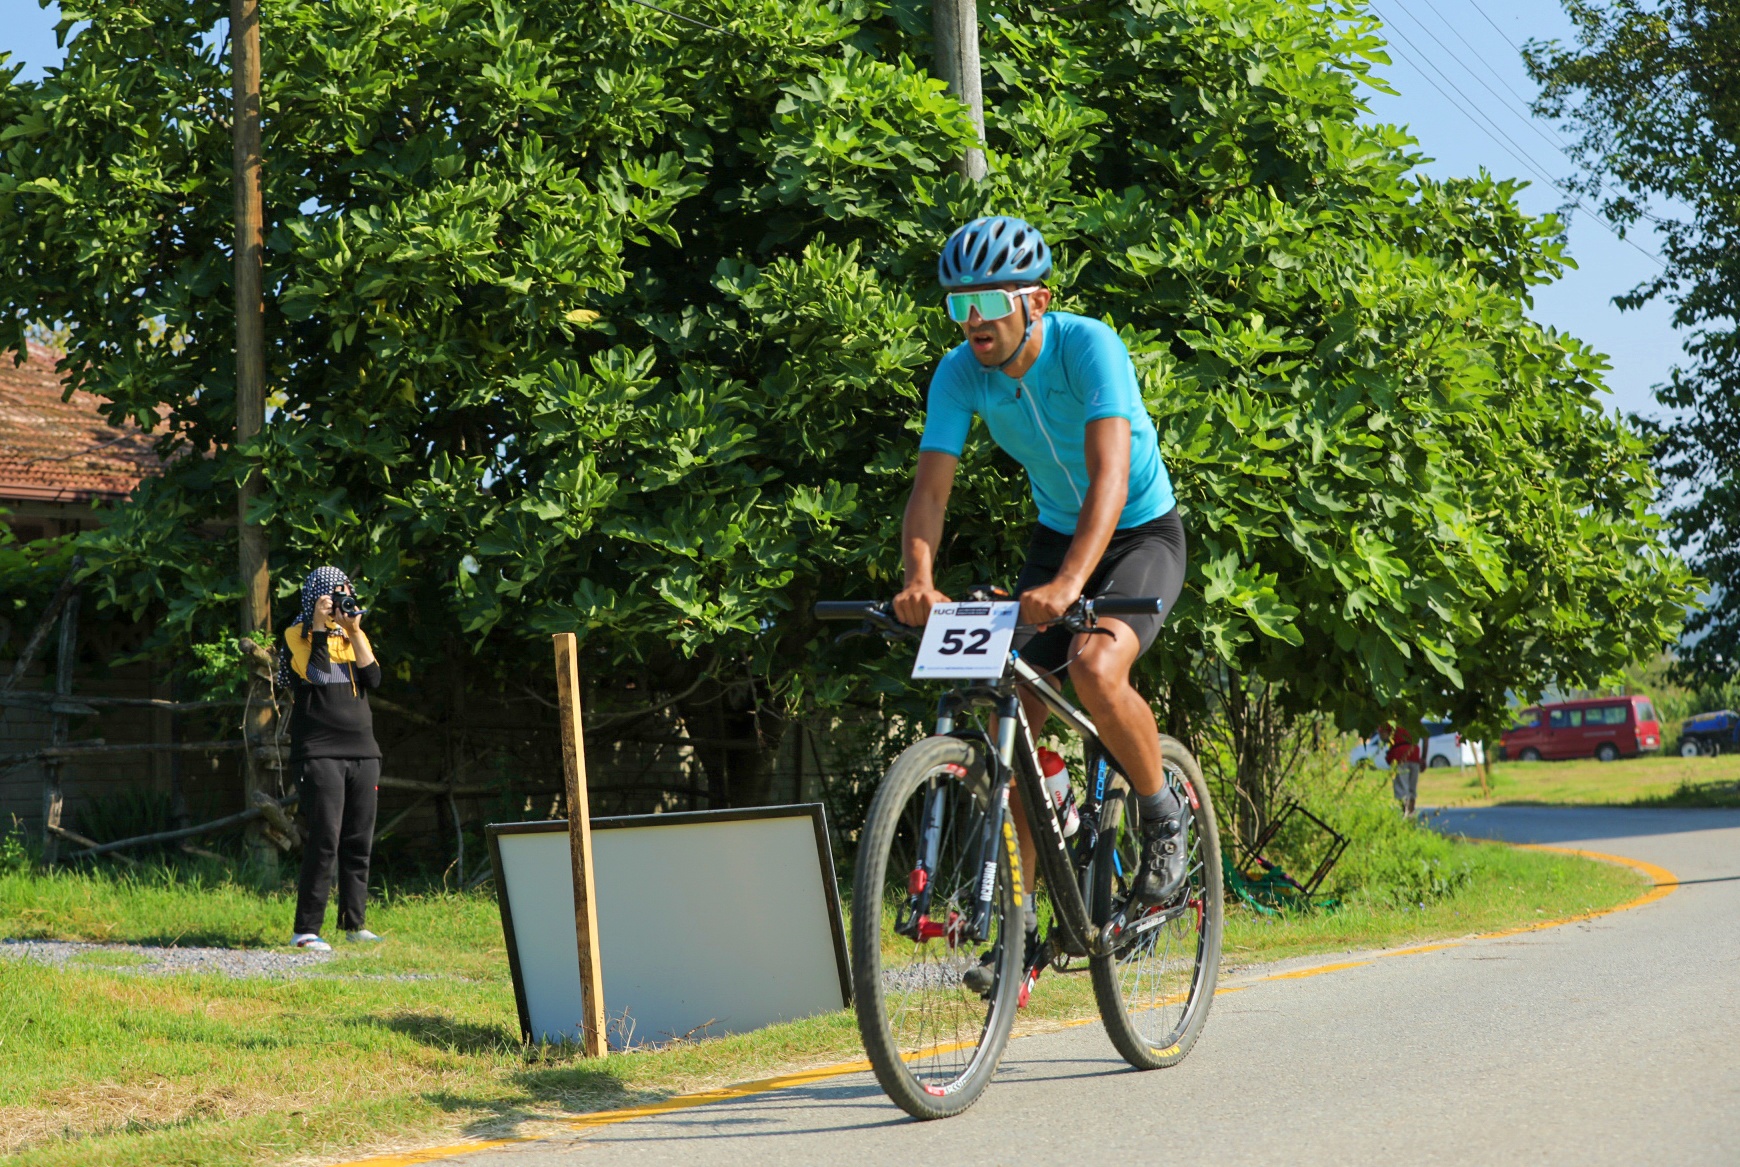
[{"x": 160, "y": 960}]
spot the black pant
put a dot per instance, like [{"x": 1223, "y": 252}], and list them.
[{"x": 338, "y": 802}]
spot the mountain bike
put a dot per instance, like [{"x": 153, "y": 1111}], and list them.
[{"x": 938, "y": 888}]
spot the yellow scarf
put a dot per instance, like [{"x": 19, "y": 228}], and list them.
[{"x": 338, "y": 648}]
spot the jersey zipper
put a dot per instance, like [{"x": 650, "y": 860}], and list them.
[{"x": 1050, "y": 445}]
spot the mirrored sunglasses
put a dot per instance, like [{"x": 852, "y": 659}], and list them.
[{"x": 992, "y": 305}]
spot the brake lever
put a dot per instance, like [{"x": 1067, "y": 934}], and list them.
[
  {"x": 1081, "y": 629},
  {"x": 886, "y": 631},
  {"x": 1083, "y": 622}
]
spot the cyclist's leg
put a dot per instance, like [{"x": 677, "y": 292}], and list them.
[
  {"x": 1101, "y": 675},
  {"x": 1145, "y": 561}
]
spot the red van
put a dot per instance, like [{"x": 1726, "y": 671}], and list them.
[{"x": 1602, "y": 727}]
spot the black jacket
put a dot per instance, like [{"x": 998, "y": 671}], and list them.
[{"x": 331, "y": 716}]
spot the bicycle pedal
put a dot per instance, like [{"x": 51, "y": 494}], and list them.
[{"x": 1027, "y": 983}]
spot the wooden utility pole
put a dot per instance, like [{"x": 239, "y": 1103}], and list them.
[
  {"x": 250, "y": 310},
  {"x": 256, "y": 611},
  {"x": 955, "y": 26},
  {"x": 592, "y": 1037}
]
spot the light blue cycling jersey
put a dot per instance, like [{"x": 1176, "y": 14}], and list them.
[{"x": 1083, "y": 374}]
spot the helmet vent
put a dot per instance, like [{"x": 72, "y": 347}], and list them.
[{"x": 993, "y": 250}]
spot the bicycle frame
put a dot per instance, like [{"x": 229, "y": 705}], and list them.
[{"x": 1013, "y": 757}]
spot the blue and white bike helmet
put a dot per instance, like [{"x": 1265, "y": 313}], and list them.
[{"x": 992, "y": 250}]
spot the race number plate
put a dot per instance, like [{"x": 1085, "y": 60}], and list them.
[{"x": 966, "y": 640}]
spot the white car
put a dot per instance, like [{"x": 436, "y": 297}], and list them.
[{"x": 1445, "y": 747}]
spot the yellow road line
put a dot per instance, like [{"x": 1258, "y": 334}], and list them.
[
  {"x": 1302, "y": 973},
  {"x": 725, "y": 1094},
  {"x": 1664, "y": 883},
  {"x": 431, "y": 1154}
]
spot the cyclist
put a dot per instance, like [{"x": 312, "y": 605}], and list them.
[{"x": 1058, "y": 393}]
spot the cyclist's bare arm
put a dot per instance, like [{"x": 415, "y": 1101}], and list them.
[
  {"x": 1125, "y": 720},
  {"x": 921, "y": 534},
  {"x": 1108, "y": 464}
]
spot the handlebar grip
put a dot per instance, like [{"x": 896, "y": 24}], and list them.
[
  {"x": 849, "y": 609},
  {"x": 1121, "y": 606}
]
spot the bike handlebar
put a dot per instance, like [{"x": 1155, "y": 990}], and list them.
[
  {"x": 1121, "y": 606},
  {"x": 882, "y": 611},
  {"x": 852, "y": 609}
]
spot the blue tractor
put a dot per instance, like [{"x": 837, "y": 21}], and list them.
[{"x": 1710, "y": 733}]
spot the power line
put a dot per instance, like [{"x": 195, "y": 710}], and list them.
[
  {"x": 1499, "y": 97},
  {"x": 1495, "y": 28},
  {"x": 1478, "y": 55},
  {"x": 1655, "y": 90},
  {"x": 1520, "y": 110},
  {"x": 1503, "y": 140},
  {"x": 1490, "y": 127}
]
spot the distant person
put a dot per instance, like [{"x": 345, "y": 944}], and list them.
[
  {"x": 328, "y": 666},
  {"x": 1404, "y": 759}
]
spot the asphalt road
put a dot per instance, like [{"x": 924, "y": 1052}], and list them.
[{"x": 1615, "y": 1041}]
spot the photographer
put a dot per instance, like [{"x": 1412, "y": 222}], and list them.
[{"x": 328, "y": 665}]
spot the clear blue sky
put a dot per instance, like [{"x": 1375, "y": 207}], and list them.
[{"x": 1462, "y": 93}]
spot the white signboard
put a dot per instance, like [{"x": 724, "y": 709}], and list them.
[
  {"x": 708, "y": 923},
  {"x": 967, "y": 639}
]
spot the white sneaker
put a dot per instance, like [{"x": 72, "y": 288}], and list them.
[
  {"x": 310, "y": 941},
  {"x": 363, "y": 936}
]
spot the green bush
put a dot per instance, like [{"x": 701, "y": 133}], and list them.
[
  {"x": 15, "y": 850},
  {"x": 1390, "y": 861},
  {"x": 643, "y": 357}
]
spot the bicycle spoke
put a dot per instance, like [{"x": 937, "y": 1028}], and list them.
[
  {"x": 936, "y": 1021},
  {"x": 1156, "y": 972}
]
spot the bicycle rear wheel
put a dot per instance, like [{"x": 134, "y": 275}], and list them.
[
  {"x": 933, "y": 1042},
  {"x": 1154, "y": 990}
]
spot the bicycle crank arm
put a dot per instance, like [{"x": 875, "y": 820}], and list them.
[{"x": 1119, "y": 931}]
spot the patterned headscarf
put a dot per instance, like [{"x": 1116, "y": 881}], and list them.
[{"x": 320, "y": 582}]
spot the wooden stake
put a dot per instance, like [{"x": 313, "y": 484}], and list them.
[
  {"x": 52, "y": 798},
  {"x": 44, "y": 625},
  {"x": 592, "y": 1039}
]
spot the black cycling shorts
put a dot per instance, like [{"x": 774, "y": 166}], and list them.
[{"x": 1142, "y": 561}]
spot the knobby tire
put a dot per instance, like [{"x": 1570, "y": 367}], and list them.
[
  {"x": 1154, "y": 994},
  {"x": 928, "y": 1068}
]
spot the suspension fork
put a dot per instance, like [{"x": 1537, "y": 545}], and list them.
[
  {"x": 919, "y": 883},
  {"x": 998, "y": 829}
]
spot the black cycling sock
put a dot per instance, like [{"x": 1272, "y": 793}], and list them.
[
  {"x": 1163, "y": 804},
  {"x": 1031, "y": 916}
]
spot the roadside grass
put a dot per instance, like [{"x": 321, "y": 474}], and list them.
[
  {"x": 103, "y": 1065},
  {"x": 1657, "y": 780}
]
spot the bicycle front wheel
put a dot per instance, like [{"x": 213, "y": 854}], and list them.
[
  {"x": 1155, "y": 988},
  {"x": 933, "y": 1029}
]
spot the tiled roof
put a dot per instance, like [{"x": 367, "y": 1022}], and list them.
[{"x": 62, "y": 451}]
